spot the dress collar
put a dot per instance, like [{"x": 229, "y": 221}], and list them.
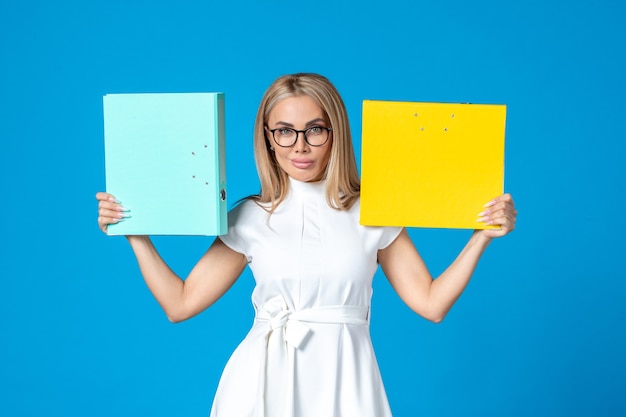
[{"x": 307, "y": 188}]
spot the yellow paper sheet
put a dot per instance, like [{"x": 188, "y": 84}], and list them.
[{"x": 430, "y": 164}]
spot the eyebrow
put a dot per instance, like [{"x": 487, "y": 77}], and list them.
[{"x": 310, "y": 123}]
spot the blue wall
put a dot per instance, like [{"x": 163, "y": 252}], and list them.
[{"x": 539, "y": 331}]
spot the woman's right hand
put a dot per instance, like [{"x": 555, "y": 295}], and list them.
[{"x": 110, "y": 211}]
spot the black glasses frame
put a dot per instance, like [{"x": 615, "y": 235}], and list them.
[{"x": 328, "y": 129}]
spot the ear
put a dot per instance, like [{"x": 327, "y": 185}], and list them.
[{"x": 267, "y": 139}]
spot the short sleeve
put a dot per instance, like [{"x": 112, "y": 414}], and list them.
[
  {"x": 378, "y": 238},
  {"x": 388, "y": 235},
  {"x": 235, "y": 238}
]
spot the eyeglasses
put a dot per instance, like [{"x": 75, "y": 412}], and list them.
[{"x": 286, "y": 137}]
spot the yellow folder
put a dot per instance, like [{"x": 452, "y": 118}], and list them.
[{"x": 430, "y": 164}]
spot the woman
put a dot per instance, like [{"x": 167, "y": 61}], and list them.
[{"x": 309, "y": 351}]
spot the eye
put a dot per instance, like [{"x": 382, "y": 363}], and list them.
[
  {"x": 315, "y": 130},
  {"x": 285, "y": 131}
]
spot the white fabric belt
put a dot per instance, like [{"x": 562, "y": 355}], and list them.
[{"x": 286, "y": 332}]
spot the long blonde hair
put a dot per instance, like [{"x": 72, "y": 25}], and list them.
[{"x": 341, "y": 175}]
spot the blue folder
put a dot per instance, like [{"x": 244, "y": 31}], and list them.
[{"x": 165, "y": 162}]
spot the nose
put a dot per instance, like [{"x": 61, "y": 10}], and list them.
[{"x": 301, "y": 145}]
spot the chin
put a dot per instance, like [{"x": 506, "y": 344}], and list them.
[{"x": 306, "y": 176}]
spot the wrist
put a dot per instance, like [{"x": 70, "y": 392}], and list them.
[
  {"x": 137, "y": 239},
  {"x": 480, "y": 238}
]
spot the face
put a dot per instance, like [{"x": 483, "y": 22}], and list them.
[{"x": 301, "y": 161}]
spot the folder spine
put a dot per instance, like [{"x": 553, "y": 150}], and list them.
[{"x": 220, "y": 174}]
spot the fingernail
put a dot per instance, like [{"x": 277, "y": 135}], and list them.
[
  {"x": 114, "y": 200},
  {"x": 489, "y": 204},
  {"x": 483, "y": 213},
  {"x": 120, "y": 208},
  {"x": 481, "y": 220}
]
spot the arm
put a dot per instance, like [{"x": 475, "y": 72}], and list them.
[
  {"x": 408, "y": 275},
  {"x": 210, "y": 278}
]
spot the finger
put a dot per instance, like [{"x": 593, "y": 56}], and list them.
[
  {"x": 505, "y": 223},
  {"x": 502, "y": 220},
  {"x": 108, "y": 201},
  {"x": 497, "y": 217},
  {"x": 107, "y": 217},
  {"x": 502, "y": 212},
  {"x": 113, "y": 212},
  {"x": 110, "y": 211},
  {"x": 103, "y": 196},
  {"x": 497, "y": 209},
  {"x": 496, "y": 232},
  {"x": 504, "y": 198},
  {"x": 106, "y": 220},
  {"x": 108, "y": 205},
  {"x": 507, "y": 198}
]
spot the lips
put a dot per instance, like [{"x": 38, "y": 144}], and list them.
[{"x": 301, "y": 163}]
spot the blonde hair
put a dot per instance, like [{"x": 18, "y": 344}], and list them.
[{"x": 341, "y": 175}]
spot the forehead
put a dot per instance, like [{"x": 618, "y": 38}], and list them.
[{"x": 296, "y": 109}]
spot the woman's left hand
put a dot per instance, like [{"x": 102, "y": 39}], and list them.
[{"x": 499, "y": 212}]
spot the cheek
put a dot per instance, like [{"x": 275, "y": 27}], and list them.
[
  {"x": 280, "y": 156},
  {"x": 326, "y": 155}
]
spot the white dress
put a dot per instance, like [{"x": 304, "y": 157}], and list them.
[{"x": 309, "y": 351}]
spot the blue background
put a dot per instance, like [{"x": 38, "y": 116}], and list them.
[{"x": 540, "y": 330}]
